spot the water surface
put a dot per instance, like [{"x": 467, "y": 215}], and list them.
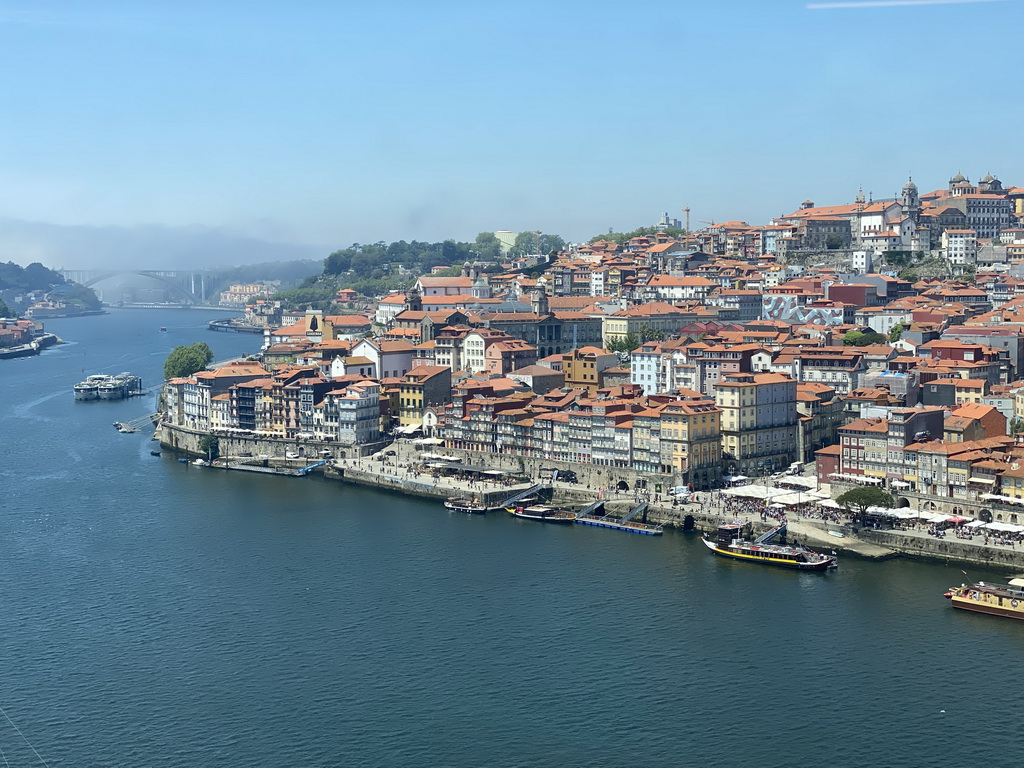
[{"x": 161, "y": 614}]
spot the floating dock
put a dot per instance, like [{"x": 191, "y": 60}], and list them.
[
  {"x": 621, "y": 523},
  {"x": 644, "y": 529},
  {"x": 245, "y": 466}
]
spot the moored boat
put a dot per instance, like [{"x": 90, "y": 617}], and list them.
[
  {"x": 102, "y": 387},
  {"x": 90, "y": 388},
  {"x": 467, "y": 506},
  {"x": 542, "y": 513},
  {"x": 729, "y": 543},
  {"x": 1005, "y": 600}
]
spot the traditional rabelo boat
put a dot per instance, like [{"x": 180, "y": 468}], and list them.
[
  {"x": 542, "y": 513},
  {"x": 728, "y": 543},
  {"x": 995, "y": 599},
  {"x": 467, "y": 506}
]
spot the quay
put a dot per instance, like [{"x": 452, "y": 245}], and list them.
[
  {"x": 34, "y": 347},
  {"x": 246, "y": 465},
  {"x": 227, "y": 326},
  {"x": 397, "y": 474}
]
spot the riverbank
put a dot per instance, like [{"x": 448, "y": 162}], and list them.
[
  {"x": 397, "y": 474},
  {"x": 34, "y": 347}
]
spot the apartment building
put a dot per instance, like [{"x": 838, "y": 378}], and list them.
[{"x": 759, "y": 422}]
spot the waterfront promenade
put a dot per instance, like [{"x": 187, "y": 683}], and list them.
[{"x": 402, "y": 472}]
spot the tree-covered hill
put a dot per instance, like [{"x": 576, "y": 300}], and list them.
[
  {"x": 374, "y": 269},
  {"x": 34, "y": 277},
  {"x": 15, "y": 279}
]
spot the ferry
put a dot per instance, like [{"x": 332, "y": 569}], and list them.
[
  {"x": 90, "y": 388},
  {"x": 101, "y": 387},
  {"x": 542, "y": 513},
  {"x": 119, "y": 387},
  {"x": 468, "y": 506},
  {"x": 995, "y": 599},
  {"x": 729, "y": 543}
]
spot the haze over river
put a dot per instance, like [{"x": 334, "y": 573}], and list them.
[{"x": 159, "y": 614}]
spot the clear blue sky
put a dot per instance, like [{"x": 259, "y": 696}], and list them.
[{"x": 327, "y": 123}]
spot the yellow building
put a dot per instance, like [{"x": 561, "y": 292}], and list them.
[
  {"x": 423, "y": 387},
  {"x": 691, "y": 441},
  {"x": 582, "y": 367}
]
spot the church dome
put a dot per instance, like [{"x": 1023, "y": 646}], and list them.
[
  {"x": 909, "y": 185},
  {"x": 988, "y": 178},
  {"x": 958, "y": 179}
]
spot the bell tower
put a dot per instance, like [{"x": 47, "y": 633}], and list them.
[
  {"x": 413, "y": 300},
  {"x": 911, "y": 201}
]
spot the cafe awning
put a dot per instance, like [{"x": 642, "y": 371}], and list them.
[{"x": 755, "y": 492}]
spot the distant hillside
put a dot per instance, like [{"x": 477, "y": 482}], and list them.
[{"x": 35, "y": 277}]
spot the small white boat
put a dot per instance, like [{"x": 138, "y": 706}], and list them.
[
  {"x": 837, "y": 534},
  {"x": 201, "y": 463}
]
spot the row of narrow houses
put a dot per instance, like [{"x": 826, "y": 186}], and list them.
[{"x": 714, "y": 354}]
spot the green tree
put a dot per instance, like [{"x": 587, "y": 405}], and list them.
[
  {"x": 527, "y": 243},
  {"x": 832, "y": 242},
  {"x": 650, "y": 334},
  {"x": 5, "y": 311},
  {"x": 896, "y": 332},
  {"x": 551, "y": 243},
  {"x": 339, "y": 262},
  {"x": 863, "y": 338},
  {"x": 184, "y": 361},
  {"x": 1016, "y": 425},
  {"x": 210, "y": 445},
  {"x": 622, "y": 237},
  {"x": 487, "y": 247},
  {"x": 858, "y": 500},
  {"x": 625, "y": 344}
]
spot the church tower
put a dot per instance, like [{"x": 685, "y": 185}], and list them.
[
  {"x": 911, "y": 201},
  {"x": 413, "y": 301},
  {"x": 540, "y": 300},
  {"x": 481, "y": 287}
]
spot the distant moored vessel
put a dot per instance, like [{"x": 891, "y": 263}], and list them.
[{"x": 103, "y": 387}]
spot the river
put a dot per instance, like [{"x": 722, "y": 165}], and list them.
[{"x": 156, "y": 613}]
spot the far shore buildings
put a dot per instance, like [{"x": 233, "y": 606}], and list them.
[{"x": 749, "y": 352}]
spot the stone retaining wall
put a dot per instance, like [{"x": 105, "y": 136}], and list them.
[
  {"x": 588, "y": 475},
  {"x": 187, "y": 441},
  {"x": 946, "y": 549}
]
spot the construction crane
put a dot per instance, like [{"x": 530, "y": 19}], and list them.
[{"x": 686, "y": 210}]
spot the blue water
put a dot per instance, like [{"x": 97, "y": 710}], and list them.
[{"x": 156, "y": 614}]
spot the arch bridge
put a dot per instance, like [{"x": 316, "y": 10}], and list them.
[{"x": 186, "y": 286}]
